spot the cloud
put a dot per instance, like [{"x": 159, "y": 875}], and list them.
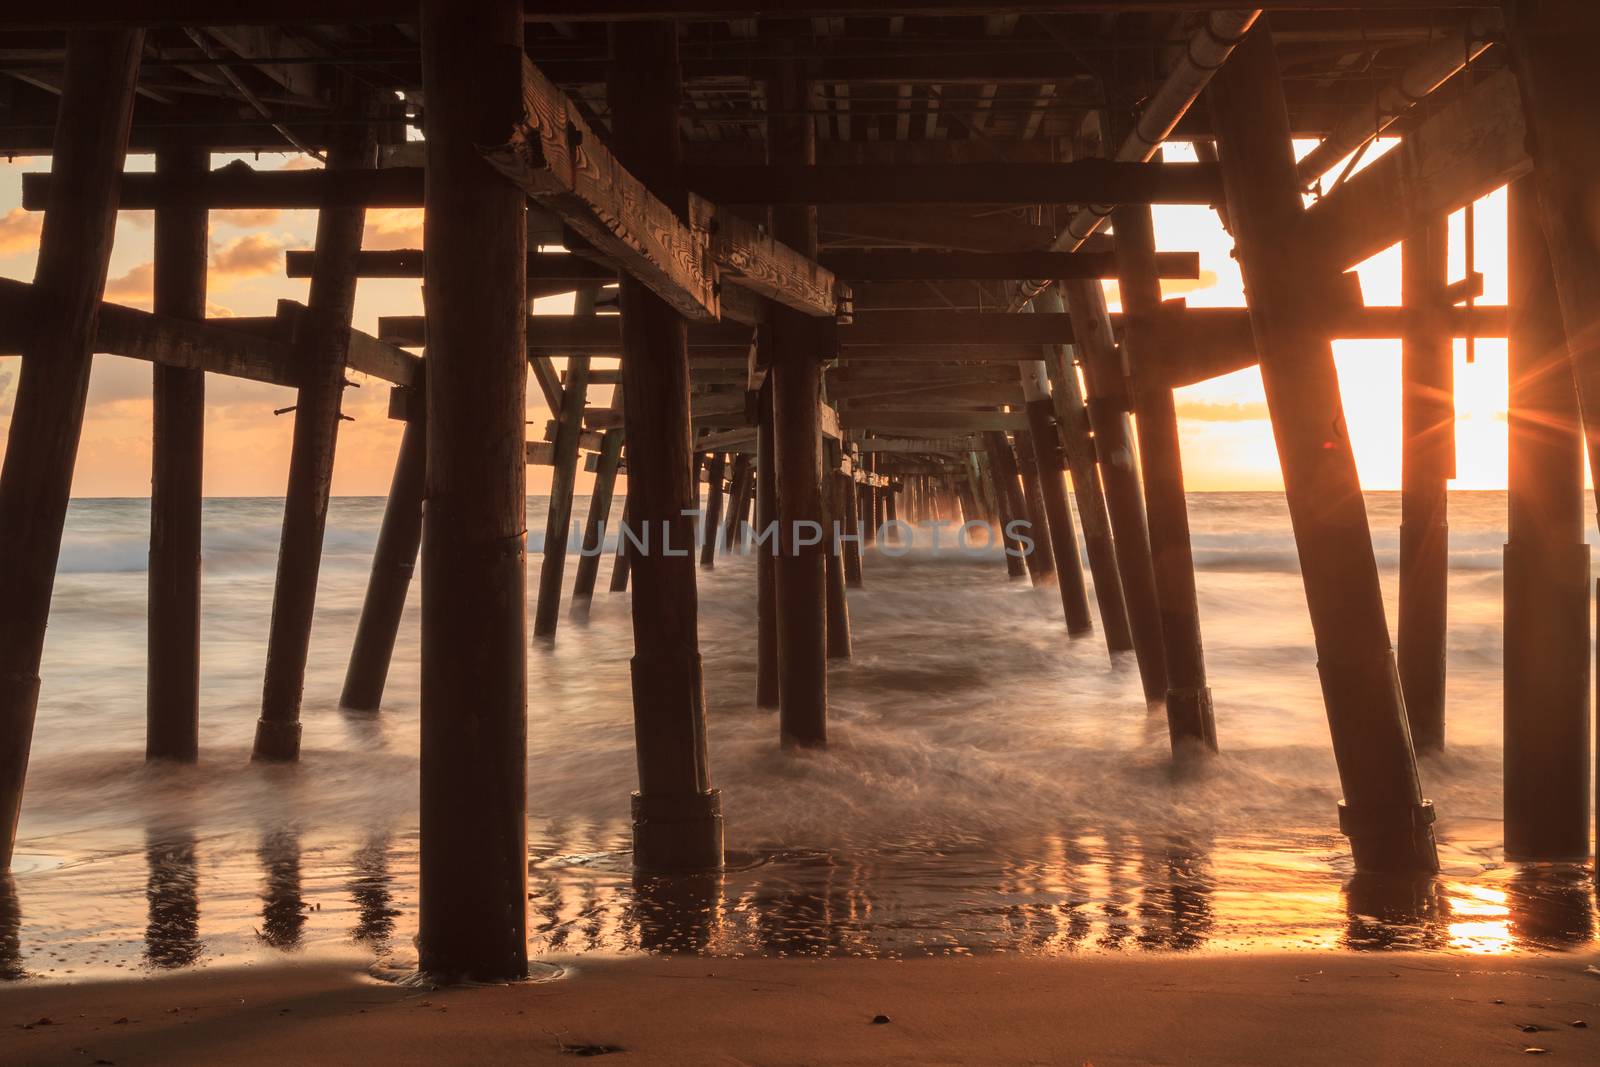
[
  {"x": 393, "y": 227},
  {"x": 1211, "y": 411},
  {"x": 247, "y": 256},
  {"x": 19, "y": 231},
  {"x": 8, "y": 392},
  {"x": 135, "y": 288},
  {"x": 246, "y": 218}
]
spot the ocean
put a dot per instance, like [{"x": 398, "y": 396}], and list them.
[{"x": 991, "y": 785}]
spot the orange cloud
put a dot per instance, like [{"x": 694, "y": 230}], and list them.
[
  {"x": 393, "y": 227},
  {"x": 244, "y": 257},
  {"x": 246, "y": 218},
  {"x": 19, "y": 231},
  {"x": 135, "y": 288}
]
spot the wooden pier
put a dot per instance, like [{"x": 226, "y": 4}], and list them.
[{"x": 851, "y": 259}]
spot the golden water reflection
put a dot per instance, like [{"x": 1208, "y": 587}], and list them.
[{"x": 185, "y": 899}]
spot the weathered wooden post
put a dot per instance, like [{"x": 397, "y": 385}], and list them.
[
  {"x": 1107, "y": 409},
  {"x": 677, "y": 816},
  {"x": 1076, "y": 439},
  {"x": 1008, "y": 499},
  {"x": 712, "y": 526},
  {"x": 767, "y": 689},
  {"x": 1191, "y": 722},
  {"x": 321, "y": 344},
  {"x": 563, "y": 480},
  {"x": 836, "y": 486},
  {"x": 738, "y": 503},
  {"x": 1053, "y": 486},
  {"x": 850, "y": 519},
  {"x": 796, "y": 376},
  {"x": 1427, "y": 462},
  {"x": 393, "y": 562},
  {"x": 1546, "y": 631},
  {"x": 622, "y": 563},
  {"x": 864, "y": 499},
  {"x": 1042, "y": 560},
  {"x": 474, "y": 830},
  {"x": 1552, "y": 53},
  {"x": 1389, "y": 824},
  {"x": 172, "y": 688},
  {"x": 47, "y": 417},
  {"x": 594, "y": 526}
]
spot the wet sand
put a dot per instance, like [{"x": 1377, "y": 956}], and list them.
[{"x": 1310, "y": 1008}]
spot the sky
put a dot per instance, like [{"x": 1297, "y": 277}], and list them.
[{"x": 1226, "y": 437}]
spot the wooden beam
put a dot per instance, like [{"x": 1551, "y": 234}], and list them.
[
  {"x": 1201, "y": 336},
  {"x": 1464, "y": 150},
  {"x": 566, "y": 334},
  {"x": 172, "y": 342},
  {"x": 407, "y": 263},
  {"x": 930, "y": 227},
  {"x": 1088, "y": 181},
  {"x": 925, "y": 421},
  {"x": 67, "y": 14},
  {"x": 891, "y": 265},
  {"x": 562, "y": 164},
  {"x": 240, "y": 186}
]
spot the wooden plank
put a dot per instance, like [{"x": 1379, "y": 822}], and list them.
[
  {"x": 367, "y": 354},
  {"x": 588, "y": 441},
  {"x": 925, "y": 421},
  {"x": 931, "y": 227},
  {"x": 739, "y": 440},
  {"x": 240, "y": 186},
  {"x": 1464, "y": 150},
  {"x": 407, "y": 263},
  {"x": 560, "y": 335},
  {"x": 912, "y": 444},
  {"x": 541, "y": 453},
  {"x": 1088, "y": 181},
  {"x": 561, "y": 163},
  {"x": 751, "y": 258},
  {"x": 124, "y": 331},
  {"x": 69, "y": 14},
  {"x": 894, "y": 264},
  {"x": 955, "y": 328},
  {"x": 884, "y": 394}
]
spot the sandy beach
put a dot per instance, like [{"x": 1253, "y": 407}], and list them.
[{"x": 1312, "y": 1008}]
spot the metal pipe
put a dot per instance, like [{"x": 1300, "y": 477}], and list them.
[
  {"x": 1208, "y": 48},
  {"x": 1433, "y": 68}
]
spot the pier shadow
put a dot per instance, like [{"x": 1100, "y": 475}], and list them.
[
  {"x": 1552, "y": 905},
  {"x": 676, "y": 914},
  {"x": 282, "y": 907},
  {"x": 371, "y": 889},
  {"x": 172, "y": 897},
  {"x": 1395, "y": 912},
  {"x": 11, "y": 968}
]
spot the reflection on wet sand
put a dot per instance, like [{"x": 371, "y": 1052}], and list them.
[
  {"x": 1072, "y": 891},
  {"x": 369, "y": 889},
  {"x": 282, "y": 908},
  {"x": 172, "y": 895},
  {"x": 10, "y": 930}
]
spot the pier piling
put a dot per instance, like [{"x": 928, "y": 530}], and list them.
[
  {"x": 1389, "y": 824},
  {"x": 393, "y": 563},
  {"x": 1191, "y": 721},
  {"x": 473, "y": 862},
  {"x": 321, "y": 347},
  {"x": 677, "y": 816},
  {"x": 178, "y": 395},
  {"x": 1546, "y": 627},
  {"x": 91, "y": 138}
]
